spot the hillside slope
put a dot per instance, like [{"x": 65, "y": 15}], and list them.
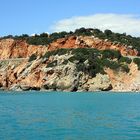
[{"x": 72, "y": 63}]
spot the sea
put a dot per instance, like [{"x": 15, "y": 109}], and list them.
[{"x": 35, "y": 115}]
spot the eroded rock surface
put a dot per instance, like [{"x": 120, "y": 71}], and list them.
[
  {"x": 17, "y": 73},
  {"x": 90, "y": 42},
  {"x": 10, "y": 48}
]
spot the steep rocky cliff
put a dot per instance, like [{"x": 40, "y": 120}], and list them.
[
  {"x": 91, "y": 42},
  {"x": 53, "y": 71},
  {"x": 10, "y": 48}
]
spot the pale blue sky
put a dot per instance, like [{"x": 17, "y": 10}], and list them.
[{"x": 36, "y": 16}]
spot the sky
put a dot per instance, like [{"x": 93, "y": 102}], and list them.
[{"x": 36, "y": 16}]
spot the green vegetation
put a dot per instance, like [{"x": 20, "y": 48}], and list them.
[
  {"x": 137, "y": 61},
  {"x": 32, "y": 57},
  {"x": 93, "y": 61},
  {"x": 45, "y": 39},
  {"x": 111, "y": 54},
  {"x": 65, "y": 62},
  {"x": 56, "y": 52},
  {"x": 125, "y": 60},
  {"x": 97, "y": 60},
  {"x": 52, "y": 64}
]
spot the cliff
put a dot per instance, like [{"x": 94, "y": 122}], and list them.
[
  {"x": 91, "y": 42},
  {"x": 66, "y": 71},
  {"x": 10, "y": 48}
]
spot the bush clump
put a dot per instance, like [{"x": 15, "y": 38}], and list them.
[
  {"x": 137, "y": 61},
  {"x": 32, "y": 57},
  {"x": 45, "y": 38},
  {"x": 97, "y": 60},
  {"x": 112, "y": 54},
  {"x": 125, "y": 60},
  {"x": 125, "y": 68},
  {"x": 52, "y": 64},
  {"x": 92, "y": 61}
]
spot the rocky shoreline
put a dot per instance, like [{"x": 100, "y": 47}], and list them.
[
  {"x": 26, "y": 67},
  {"x": 66, "y": 78}
]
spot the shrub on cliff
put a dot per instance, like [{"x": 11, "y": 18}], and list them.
[
  {"x": 62, "y": 51},
  {"x": 56, "y": 52},
  {"x": 125, "y": 68},
  {"x": 48, "y": 54},
  {"x": 44, "y": 35},
  {"x": 45, "y": 39},
  {"x": 112, "y": 54},
  {"x": 22, "y": 37},
  {"x": 32, "y": 57},
  {"x": 108, "y": 33},
  {"x": 137, "y": 61},
  {"x": 92, "y": 61},
  {"x": 52, "y": 64},
  {"x": 98, "y": 60},
  {"x": 37, "y": 40},
  {"x": 95, "y": 66},
  {"x": 83, "y": 32},
  {"x": 125, "y": 60}
]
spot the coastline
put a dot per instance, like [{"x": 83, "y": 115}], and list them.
[
  {"x": 69, "y": 64},
  {"x": 69, "y": 92}
]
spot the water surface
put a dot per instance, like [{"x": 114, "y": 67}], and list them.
[{"x": 69, "y": 116}]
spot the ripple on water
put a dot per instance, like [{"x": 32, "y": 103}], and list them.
[{"x": 70, "y": 116}]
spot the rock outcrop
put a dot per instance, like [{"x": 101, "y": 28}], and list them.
[
  {"x": 91, "y": 42},
  {"x": 10, "y": 48},
  {"x": 18, "y": 73},
  {"x": 125, "y": 81}
]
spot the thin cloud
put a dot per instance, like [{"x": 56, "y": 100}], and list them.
[{"x": 129, "y": 24}]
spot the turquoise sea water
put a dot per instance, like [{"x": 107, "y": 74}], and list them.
[{"x": 69, "y": 116}]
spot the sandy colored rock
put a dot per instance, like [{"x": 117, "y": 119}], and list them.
[{"x": 98, "y": 83}]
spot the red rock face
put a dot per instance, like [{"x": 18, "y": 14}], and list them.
[
  {"x": 63, "y": 43},
  {"x": 90, "y": 42},
  {"x": 10, "y": 48}
]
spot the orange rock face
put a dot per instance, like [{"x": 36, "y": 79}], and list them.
[
  {"x": 63, "y": 43},
  {"x": 10, "y": 48},
  {"x": 90, "y": 42}
]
